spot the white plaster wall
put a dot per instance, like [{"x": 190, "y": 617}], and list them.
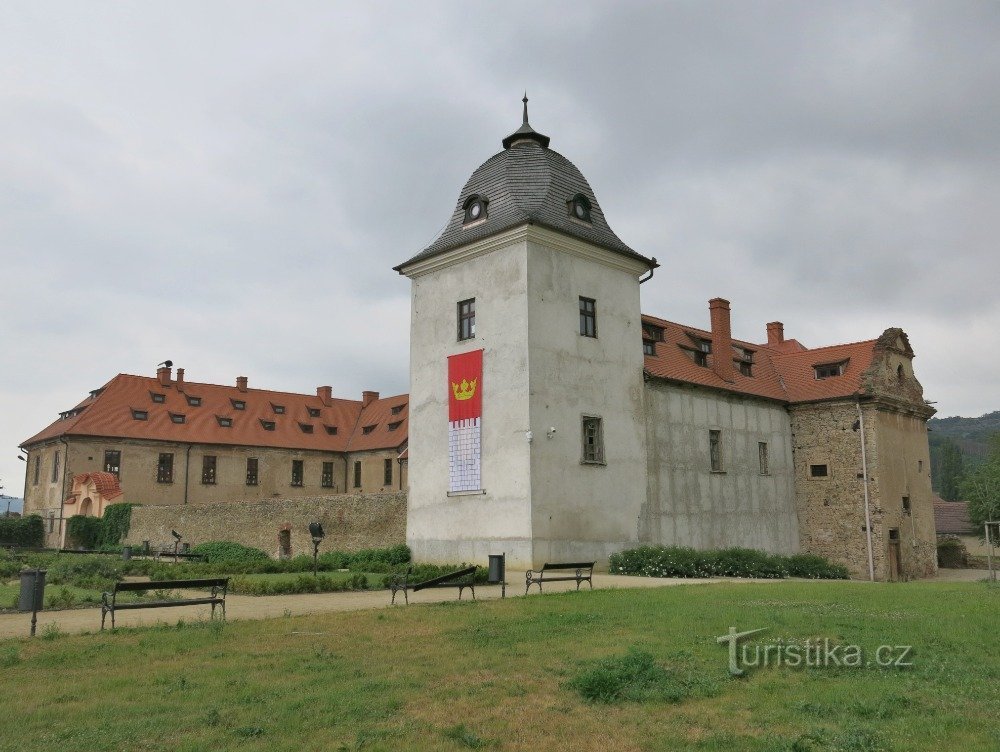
[
  {"x": 467, "y": 528},
  {"x": 692, "y": 506},
  {"x": 583, "y": 511}
]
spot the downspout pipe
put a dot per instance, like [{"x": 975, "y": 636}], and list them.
[
  {"x": 187, "y": 463},
  {"x": 868, "y": 515},
  {"x": 651, "y": 269},
  {"x": 62, "y": 496}
]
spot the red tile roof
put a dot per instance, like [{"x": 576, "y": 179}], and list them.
[
  {"x": 107, "y": 484},
  {"x": 110, "y": 414},
  {"x": 952, "y": 517}
]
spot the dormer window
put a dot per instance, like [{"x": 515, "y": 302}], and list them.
[
  {"x": 368, "y": 429},
  {"x": 158, "y": 397},
  {"x": 267, "y": 425},
  {"x": 238, "y": 404},
  {"x": 396, "y": 410},
  {"x": 579, "y": 208},
  {"x": 140, "y": 415},
  {"x": 177, "y": 417},
  {"x": 395, "y": 425},
  {"x": 827, "y": 370},
  {"x": 194, "y": 401},
  {"x": 332, "y": 430},
  {"x": 306, "y": 427},
  {"x": 278, "y": 409},
  {"x": 313, "y": 412},
  {"x": 224, "y": 422},
  {"x": 475, "y": 209}
]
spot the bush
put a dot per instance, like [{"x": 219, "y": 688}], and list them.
[
  {"x": 115, "y": 525},
  {"x": 304, "y": 583},
  {"x": 231, "y": 554},
  {"x": 951, "y": 552},
  {"x": 84, "y": 532},
  {"x": 22, "y": 532},
  {"x": 94, "y": 572},
  {"x": 423, "y": 572},
  {"x": 679, "y": 561}
]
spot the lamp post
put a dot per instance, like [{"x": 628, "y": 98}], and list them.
[
  {"x": 177, "y": 542},
  {"x": 316, "y": 531}
]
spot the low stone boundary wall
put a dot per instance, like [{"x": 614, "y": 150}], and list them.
[{"x": 278, "y": 526}]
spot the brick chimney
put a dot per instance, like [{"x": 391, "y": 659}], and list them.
[
  {"x": 241, "y": 383},
  {"x": 325, "y": 394},
  {"x": 163, "y": 375},
  {"x": 180, "y": 378},
  {"x": 722, "y": 339},
  {"x": 367, "y": 398},
  {"x": 775, "y": 333}
]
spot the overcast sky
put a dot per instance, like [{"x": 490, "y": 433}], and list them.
[{"x": 229, "y": 184}]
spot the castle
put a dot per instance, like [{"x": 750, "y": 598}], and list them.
[{"x": 548, "y": 418}]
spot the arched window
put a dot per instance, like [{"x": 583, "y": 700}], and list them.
[
  {"x": 475, "y": 208},
  {"x": 579, "y": 207}
]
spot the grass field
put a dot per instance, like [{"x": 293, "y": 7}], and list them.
[{"x": 502, "y": 675}]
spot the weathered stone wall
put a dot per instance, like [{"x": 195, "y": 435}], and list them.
[{"x": 351, "y": 522}]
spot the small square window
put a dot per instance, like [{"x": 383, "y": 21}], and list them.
[
  {"x": 588, "y": 317},
  {"x": 238, "y": 404},
  {"x": 314, "y": 412},
  {"x": 140, "y": 415},
  {"x": 332, "y": 430},
  {"x": 193, "y": 401},
  {"x": 157, "y": 397},
  {"x": 369, "y": 429},
  {"x": 267, "y": 425},
  {"x": 224, "y": 422},
  {"x": 593, "y": 441},
  {"x": 467, "y": 319},
  {"x": 177, "y": 417},
  {"x": 306, "y": 427},
  {"x": 819, "y": 471}
]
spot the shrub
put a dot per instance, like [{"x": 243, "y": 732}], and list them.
[
  {"x": 678, "y": 561},
  {"x": 951, "y": 552},
  {"x": 93, "y": 572},
  {"x": 115, "y": 525},
  {"x": 84, "y": 532},
  {"x": 304, "y": 583},
  {"x": 230, "y": 554},
  {"x": 22, "y": 532}
]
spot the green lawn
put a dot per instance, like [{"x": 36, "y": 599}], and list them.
[{"x": 496, "y": 675}]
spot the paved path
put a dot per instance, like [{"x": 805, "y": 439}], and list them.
[
  {"x": 961, "y": 575},
  {"x": 270, "y": 606}
]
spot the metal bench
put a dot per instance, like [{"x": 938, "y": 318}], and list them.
[
  {"x": 462, "y": 578},
  {"x": 582, "y": 572},
  {"x": 217, "y": 597}
]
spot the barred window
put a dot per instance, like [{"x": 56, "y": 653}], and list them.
[
  {"x": 165, "y": 468},
  {"x": 593, "y": 441}
]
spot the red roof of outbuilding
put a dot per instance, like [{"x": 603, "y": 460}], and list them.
[{"x": 952, "y": 517}]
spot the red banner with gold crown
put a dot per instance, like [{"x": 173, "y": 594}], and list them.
[{"x": 465, "y": 409}]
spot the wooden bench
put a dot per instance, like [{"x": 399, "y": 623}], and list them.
[
  {"x": 462, "y": 578},
  {"x": 217, "y": 597},
  {"x": 538, "y": 576}
]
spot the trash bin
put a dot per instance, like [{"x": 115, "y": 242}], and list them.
[
  {"x": 32, "y": 590},
  {"x": 498, "y": 568},
  {"x": 126, "y": 553}
]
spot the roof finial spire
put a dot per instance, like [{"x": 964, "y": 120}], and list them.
[
  {"x": 525, "y": 100},
  {"x": 526, "y": 132}
]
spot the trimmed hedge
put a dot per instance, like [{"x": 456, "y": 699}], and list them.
[
  {"x": 22, "y": 532},
  {"x": 304, "y": 583},
  {"x": 679, "y": 561}
]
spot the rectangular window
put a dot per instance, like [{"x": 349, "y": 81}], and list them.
[
  {"x": 467, "y": 319},
  {"x": 208, "y": 470},
  {"x": 38, "y": 469},
  {"x": 593, "y": 441},
  {"x": 746, "y": 368},
  {"x": 224, "y": 422},
  {"x": 113, "y": 462},
  {"x": 715, "y": 450},
  {"x": 297, "y": 472},
  {"x": 158, "y": 397},
  {"x": 278, "y": 409},
  {"x": 251, "y": 471},
  {"x": 165, "y": 468},
  {"x": 818, "y": 471},
  {"x": 327, "y": 480},
  {"x": 238, "y": 404},
  {"x": 828, "y": 370},
  {"x": 357, "y": 474},
  {"x": 906, "y": 504},
  {"x": 762, "y": 456},
  {"x": 194, "y": 401},
  {"x": 177, "y": 417},
  {"x": 55, "y": 468},
  {"x": 387, "y": 473},
  {"x": 588, "y": 317},
  {"x": 306, "y": 427},
  {"x": 648, "y": 347},
  {"x": 700, "y": 358},
  {"x": 313, "y": 412},
  {"x": 332, "y": 430},
  {"x": 140, "y": 414}
]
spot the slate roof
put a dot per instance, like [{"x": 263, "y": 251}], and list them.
[
  {"x": 108, "y": 412},
  {"x": 952, "y": 517},
  {"x": 527, "y": 183}
]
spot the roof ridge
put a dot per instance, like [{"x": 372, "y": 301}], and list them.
[
  {"x": 249, "y": 388},
  {"x": 779, "y": 354}
]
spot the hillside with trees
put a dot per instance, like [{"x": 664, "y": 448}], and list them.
[{"x": 959, "y": 446}]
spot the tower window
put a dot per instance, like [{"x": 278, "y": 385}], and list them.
[
  {"x": 819, "y": 471},
  {"x": 593, "y": 441},
  {"x": 467, "y": 319},
  {"x": 588, "y": 317},
  {"x": 579, "y": 208},
  {"x": 475, "y": 209},
  {"x": 715, "y": 450},
  {"x": 55, "y": 468}
]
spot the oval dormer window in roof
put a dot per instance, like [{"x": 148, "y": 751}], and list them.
[
  {"x": 579, "y": 207},
  {"x": 475, "y": 208}
]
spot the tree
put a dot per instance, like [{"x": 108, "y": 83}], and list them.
[
  {"x": 982, "y": 487},
  {"x": 951, "y": 472}
]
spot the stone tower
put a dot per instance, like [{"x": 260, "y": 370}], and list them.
[{"x": 527, "y": 427}]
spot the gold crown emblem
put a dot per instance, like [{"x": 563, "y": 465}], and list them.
[{"x": 465, "y": 390}]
